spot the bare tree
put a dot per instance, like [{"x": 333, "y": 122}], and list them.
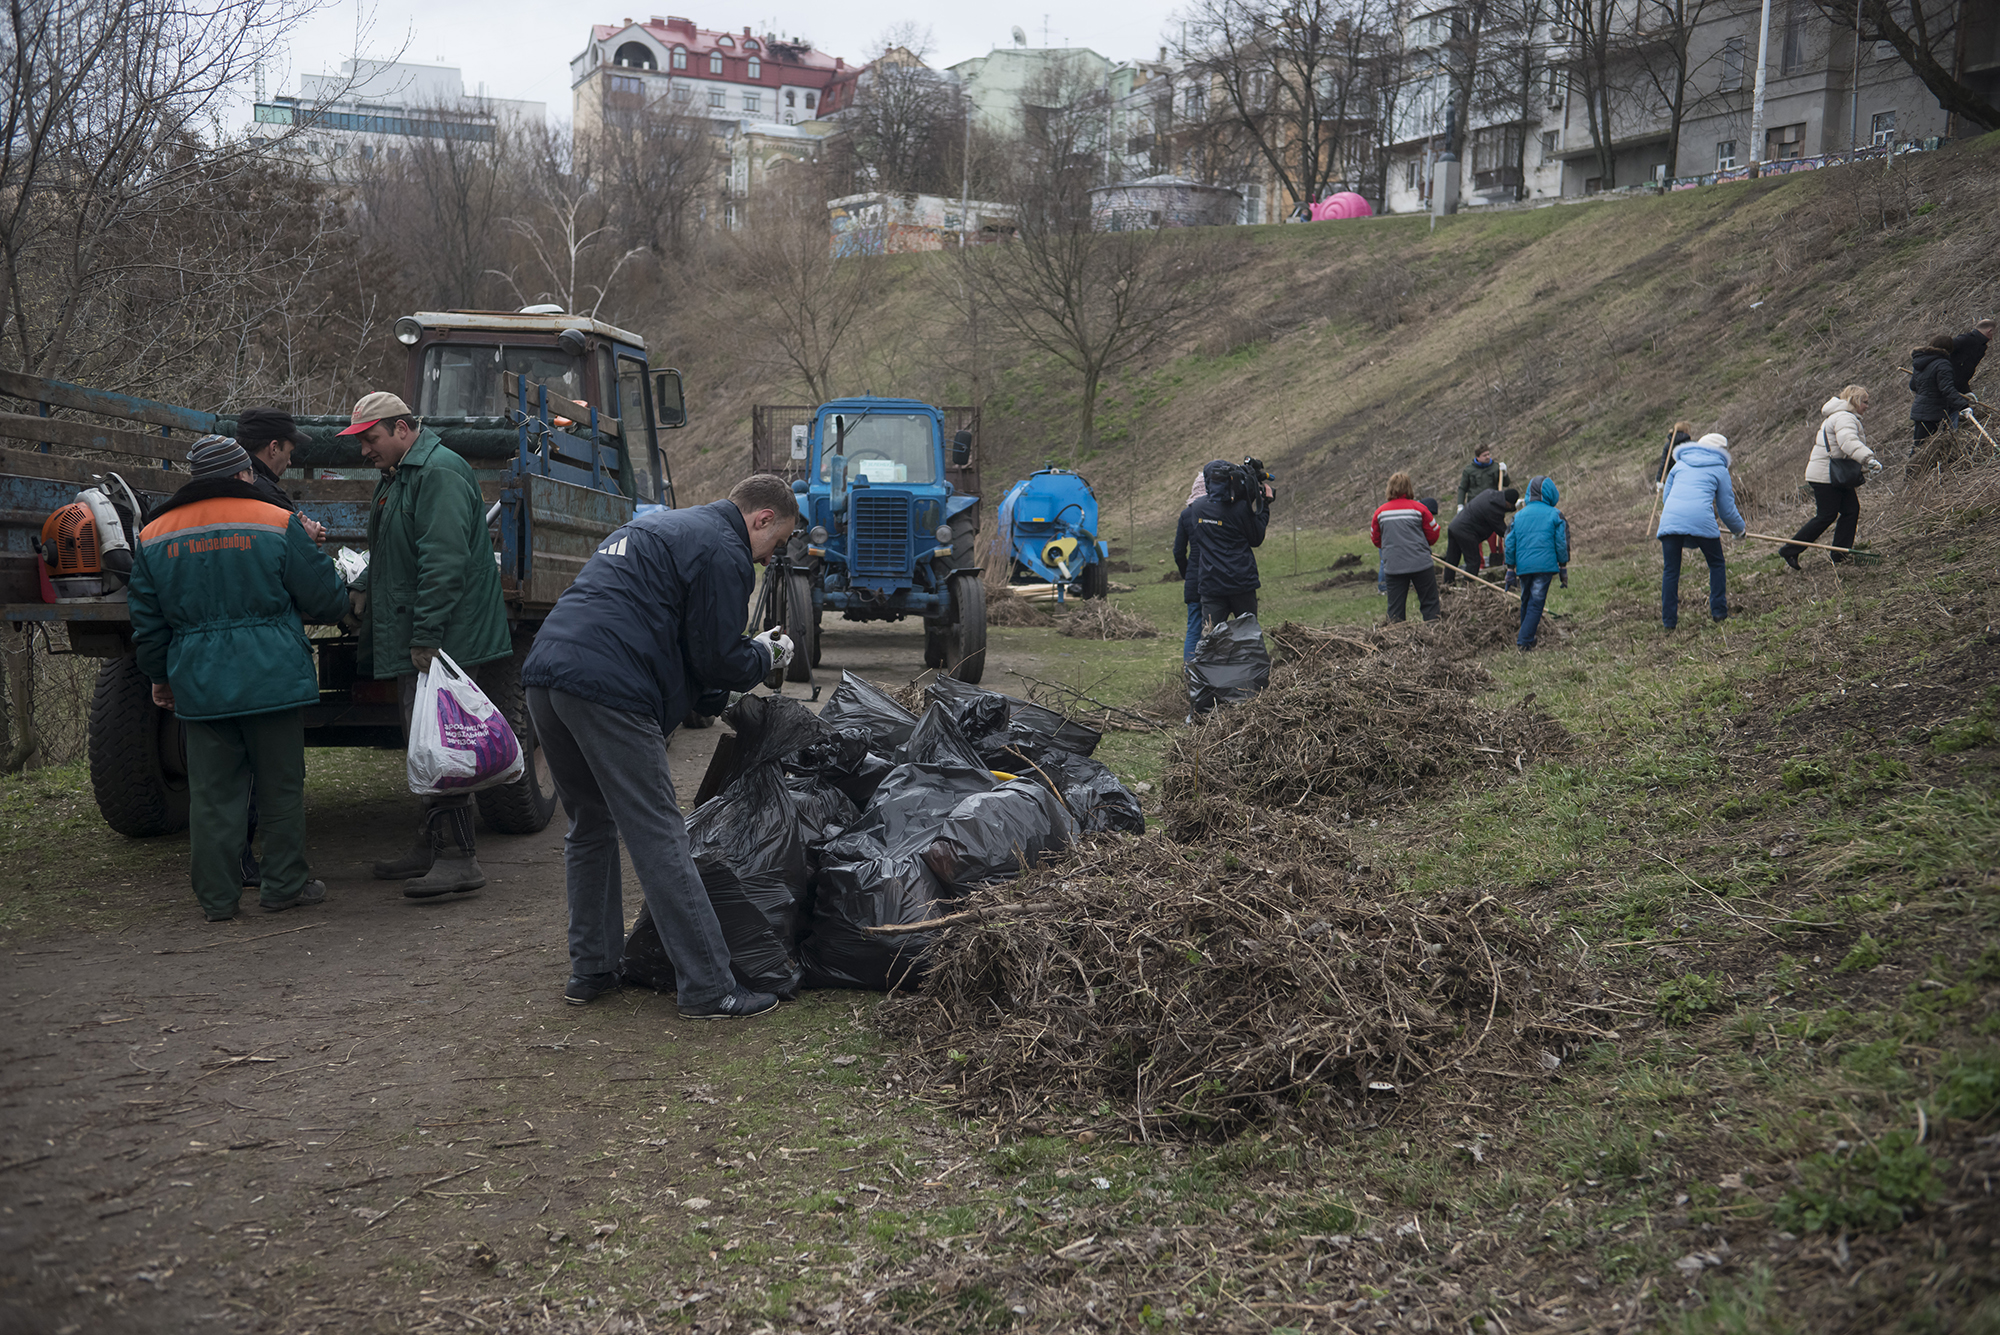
[
  {"x": 905, "y": 128},
  {"x": 1928, "y": 35},
  {"x": 569, "y": 251},
  {"x": 1666, "y": 62},
  {"x": 1595, "y": 49},
  {"x": 110, "y": 168},
  {"x": 794, "y": 303},
  {"x": 658, "y": 171},
  {"x": 437, "y": 206}
]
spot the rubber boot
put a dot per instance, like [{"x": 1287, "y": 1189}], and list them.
[
  {"x": 422, "y": 854},
  {"x": 456, "y": 870}
]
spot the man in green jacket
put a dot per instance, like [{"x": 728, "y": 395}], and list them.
[
  {"x": 222, "y": 584},
  {"x": 431, "y": 584}
]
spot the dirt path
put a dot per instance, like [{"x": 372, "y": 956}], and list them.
[{"x": 254, "y": 1125}]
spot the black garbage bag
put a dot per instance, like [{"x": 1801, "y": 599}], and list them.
[
  {"x": 824, "y": 810},
  {"x": 858, "y": 703},
  {"x": 1230, "y": 664},
  {"x": 863, "y": 885},
  {"x": 977, "y": 711},
  {"x": 1095, "y": 798},
  {"x": 913, "y": 801},
  {"x": 842, "y": 758},
  {"x": 992, "y": 836},
  {"x": 937, "y": 740},
  {"x": 770, "y": 726},
  {"x": 749, "y": 847}
]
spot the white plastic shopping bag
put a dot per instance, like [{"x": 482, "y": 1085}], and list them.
[{"x": 458, "y": 740}]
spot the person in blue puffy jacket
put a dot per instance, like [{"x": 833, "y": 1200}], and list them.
[
  {"x": 1537, "y": 554},
  {"x": 1697, "y": 490}
]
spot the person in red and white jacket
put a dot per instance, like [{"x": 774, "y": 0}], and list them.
[{"x": 1405, "y": 530}]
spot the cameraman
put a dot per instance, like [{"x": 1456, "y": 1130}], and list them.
[{"x": 1229, "y": 523}]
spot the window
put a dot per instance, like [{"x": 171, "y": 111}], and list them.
[
  {"x": 462, "y": 380},
  {"x": 750, "y": 46},
  {"x": 753, "y": 101},
  {"x": 715, "y": 62},
  {"x": 1785, "y": 142},
  {"x": 626, "y": 83},
  {"x": 1725, "y": 155},
  {"x": 1732, "y": 65},
  {"x": 680, "y": 58},
  {"x": 636, "y": 54},
  {"x": 1882, "y": 127},
  {"x": 725, "y": 40},
  {"x": 682, "y": 92},
  {"x": 886, "y": 447},
  {"x": 809, "y": 101},
  {"x": 756, "y": 68},
  {"x": 630, "y": 409},
  {"x": 1593, "y": 185},
  {"x": 1194, "y": 101},
  {"x": 791, "y": 118},
  {"x": 791, "y": 98},
  {"x": 1548, "y": 147},
  {"x": 717, "y": 98},
  {"x": 1792, "y": 54},
  {"x": 1413, "y": 175}
]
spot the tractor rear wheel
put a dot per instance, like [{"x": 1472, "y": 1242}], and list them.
[
  {"x": 1096, "y": 580},
  {"x": 965, "y": 638},
  {"x": 138, "y": 757}
]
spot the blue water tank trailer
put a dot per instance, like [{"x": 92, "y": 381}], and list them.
[{"x": 1048, "y": 522}]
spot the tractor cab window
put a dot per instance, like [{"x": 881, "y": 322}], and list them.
[
  {"x": 883, "y": 447},
  {"x": 632, "y": 420},
  {"x": 463, "y": 380}
]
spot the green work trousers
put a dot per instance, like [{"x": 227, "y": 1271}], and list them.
[{"x": 225, "y": 756}]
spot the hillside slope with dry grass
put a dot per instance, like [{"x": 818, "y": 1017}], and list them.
[{"x": 1569, "y": 337}]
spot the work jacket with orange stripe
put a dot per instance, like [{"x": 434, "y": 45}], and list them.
[{"x": 222, "y": 584}]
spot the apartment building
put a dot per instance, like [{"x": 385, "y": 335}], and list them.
[
  {"x": 374, "y": 107},
  {"x": 727, "y": 77}
]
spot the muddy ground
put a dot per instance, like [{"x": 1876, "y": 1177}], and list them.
[{"x": 257, "y": 1124}]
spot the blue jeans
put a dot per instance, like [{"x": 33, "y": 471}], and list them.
[
  {"x": 1671, "y": 546},
  {"x": 1534, "y": 593},
  {"x": 610, "y": 769},
  {"x": 1194, "y": 631}
]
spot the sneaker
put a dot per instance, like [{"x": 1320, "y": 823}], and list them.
[
  {"x": 582, "y": 989},
  {"x": 314, "y": 893},
  {"x": 740, "y": 1004}
]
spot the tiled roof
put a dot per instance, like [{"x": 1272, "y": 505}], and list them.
[{"x": 783, "y": 59}]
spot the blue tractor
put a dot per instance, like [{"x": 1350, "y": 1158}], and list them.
[
  {"x": 1048, "y": 533},
  {"x": 889, "y": 532}
]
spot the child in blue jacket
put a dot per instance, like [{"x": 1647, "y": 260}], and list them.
[{"x": 1537, "y": 551}]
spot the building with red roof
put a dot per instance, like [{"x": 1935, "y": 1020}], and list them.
[{"x": 725, "y": 76}]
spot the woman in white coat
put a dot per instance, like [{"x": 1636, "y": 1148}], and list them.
[{"x": 1839, "y": 438}]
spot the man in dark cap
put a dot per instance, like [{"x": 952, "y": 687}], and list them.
[
  {"x": 222, "y": 584},
  {"x": 271, "y": 435}
]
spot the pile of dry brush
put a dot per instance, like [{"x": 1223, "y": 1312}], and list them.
[
  {"x": 1239, "y": 968},
  {"x": 1098, "y": 619}
]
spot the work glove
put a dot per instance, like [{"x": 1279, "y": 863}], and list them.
[
  {"x": 1562, "y": 578},
  {"x": 1660, "y": 486},
  {"x": 1512, "y": 582},
  {"x": 423, "y": 656},
  {"x": 780, "y": 646},
  {"x": 1874, "y": 465}
]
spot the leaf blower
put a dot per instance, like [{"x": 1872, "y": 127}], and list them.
[{"x": 87, "y": 544}]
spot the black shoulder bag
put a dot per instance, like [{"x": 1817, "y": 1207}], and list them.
[{"x": 1841, "y": 471}]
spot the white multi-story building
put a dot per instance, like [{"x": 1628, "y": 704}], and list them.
[
  {"x": 375, "y": 106},
  {"x": 728, "y": 77}
]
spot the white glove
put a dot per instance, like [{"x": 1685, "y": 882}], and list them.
[
  {"x": 1874, "y": 465},
  {"x": 780, "y": 646}
]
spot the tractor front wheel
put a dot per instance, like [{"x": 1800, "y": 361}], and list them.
[{"x": 965, "y": 638}]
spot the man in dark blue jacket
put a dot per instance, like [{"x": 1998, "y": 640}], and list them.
[
  {"x": 1229, "y": 523},
  {"x": 653, "y": 622}
]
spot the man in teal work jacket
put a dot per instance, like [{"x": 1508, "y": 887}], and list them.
[{"x": 431, "y": 584}]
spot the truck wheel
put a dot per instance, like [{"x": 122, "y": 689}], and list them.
[
  {"x": 965, "y": 638},
  {"x": 1096, "y": 580},
  {"x": 804, "y": 629},
  {"x": 138, "y": 758},
  {"x": 525, "y": 805}
]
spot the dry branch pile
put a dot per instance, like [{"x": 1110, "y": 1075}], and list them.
[
  {"x": 1203, "y": 991},
  {"x": 1098, "y": 619},
  {"x": 1349, "y": 721},
  {"x": 1008, "y": 610}
]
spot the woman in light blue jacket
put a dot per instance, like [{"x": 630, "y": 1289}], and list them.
[{"x": 1697, "y": 490}]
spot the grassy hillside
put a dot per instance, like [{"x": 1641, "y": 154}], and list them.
[{"x": 1568, "y": 337}]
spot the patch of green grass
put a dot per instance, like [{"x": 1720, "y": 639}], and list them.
[
  {"x": 1865, "y": 954},
  {"x": 1866, "y": 1188},
  {"x": 1745, "y": 1306},
  {"x": 1683, "y": 1000},
  {"x": 1970, "y": 1089}
]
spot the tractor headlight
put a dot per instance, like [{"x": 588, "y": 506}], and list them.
[
  {"x": 943, "y": 535},
  {"x": 816, "y": 535},
  {"x": 408, "y": 330}
]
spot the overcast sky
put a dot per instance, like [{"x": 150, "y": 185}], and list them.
[{"x": 522, "y": 48}]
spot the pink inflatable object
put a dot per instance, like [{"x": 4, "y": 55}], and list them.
[{"x": 1345, "y": 204}]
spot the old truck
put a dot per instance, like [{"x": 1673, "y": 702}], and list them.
[
  {"x": 890, "y": 493},
  {"x": 559, "y": 415}
]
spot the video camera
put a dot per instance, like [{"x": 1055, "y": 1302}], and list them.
[{"x": 1247, "y": 481}]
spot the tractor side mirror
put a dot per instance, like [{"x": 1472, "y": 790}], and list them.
[
  {"x": 669, "y": 400},
  {"x": 837, "y": 483},
  {"x": 961, "y": 449}
]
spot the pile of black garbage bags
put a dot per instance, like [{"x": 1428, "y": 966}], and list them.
[{"x": 869, "y": 816}]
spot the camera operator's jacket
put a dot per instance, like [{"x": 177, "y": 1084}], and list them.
[
  {"x": 1225, "y": 532},
  {"x": 222, "y": 582}
]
